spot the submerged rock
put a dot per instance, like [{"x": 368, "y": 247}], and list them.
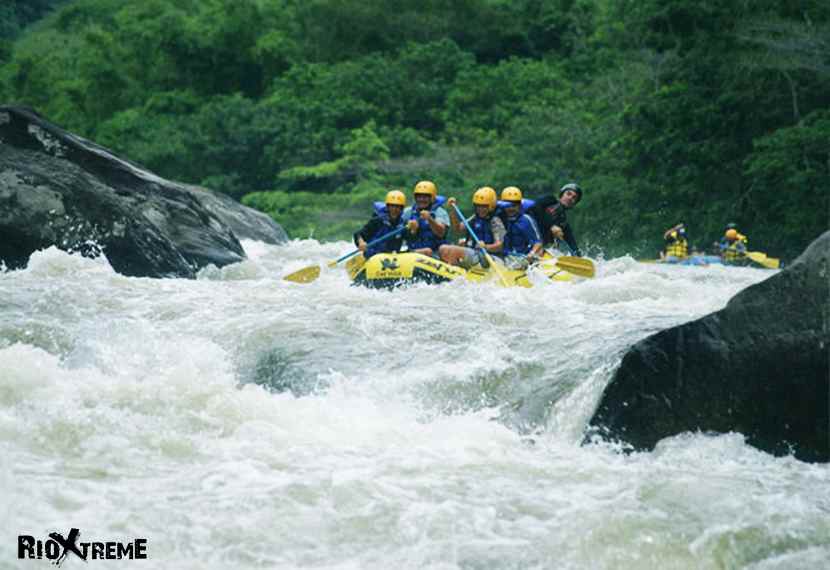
[
  {"x": 59, "y": 189},
  {"x": 760, "y": 366}
]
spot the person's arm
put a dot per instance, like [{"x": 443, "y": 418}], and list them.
[
  {"x": 497, "y": 227},
  {"x": 667, "y": 234},
  {"x": 456, "y": 224},
  {"x": 369, "y": 229},
  {"x": 570, "y": 239},
  {"x": 553, "y": 224},
  {"x": 537, "y": 210},
  {"x": 439, "y": 222},
  {"x": 363, "y": 233},
  {"x": 358, "y": 235},
  {"x": 411, "y": 225}
]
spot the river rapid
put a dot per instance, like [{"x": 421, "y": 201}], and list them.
[{"x": 241, "y": 421}]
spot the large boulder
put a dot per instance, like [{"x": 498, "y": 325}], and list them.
[
  {"x": 59, "y": 189},
  {"x": 760, "y": 366}
]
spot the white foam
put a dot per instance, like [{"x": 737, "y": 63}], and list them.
[{"x": 401, "y": 449}]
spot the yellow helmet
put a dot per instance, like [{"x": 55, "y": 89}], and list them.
[
  {"x": 426, "y": 187},
  {"x": 731, "y": 234},
  {"x": 511, "y": 194},
  {"x": 485, "y": 196},
  {"x": 395, "y": 198}
]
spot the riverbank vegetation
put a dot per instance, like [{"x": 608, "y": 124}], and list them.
[{"x": 701, "y": 111}]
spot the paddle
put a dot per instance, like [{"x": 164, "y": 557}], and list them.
[
  {"x": 577, "y": 265},
  {"x": 762, "y": 259},
  {"x": 312, "y": 272},
  {"x": 487, "y": 256}
]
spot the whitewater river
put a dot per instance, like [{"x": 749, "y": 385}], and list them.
[{"x": 240, "y": 421}]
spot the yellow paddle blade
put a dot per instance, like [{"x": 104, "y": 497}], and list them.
[
  {"x": 304, "y": 275},
  {"x": 762, "y": 259},
  {"x": 576, "y": 265},
  {"x": 354, "y": 265}
]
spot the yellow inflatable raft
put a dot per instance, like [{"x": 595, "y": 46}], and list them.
[{"x": 385, "y": 270}]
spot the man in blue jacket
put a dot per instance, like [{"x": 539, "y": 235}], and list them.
[
  {"x": 427, "y": 222},
  {"x": 522, "y": 243},
  {"x": 486, "y": 225}
]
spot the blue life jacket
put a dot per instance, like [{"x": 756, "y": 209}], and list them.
[
  {"x": 389, "y": 245},
  {"x": 483, "y": 230},
  {"x": 425, "y": 237},
  {"x": 521, "y": 235},
  {"x": 527, "y": 203}
]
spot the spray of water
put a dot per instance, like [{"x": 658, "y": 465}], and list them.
[{"x": 239, "y": 420}]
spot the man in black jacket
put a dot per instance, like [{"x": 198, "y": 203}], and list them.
[
  {"x": 550, "y": 215},
  {"x": 385, "y": 220}
]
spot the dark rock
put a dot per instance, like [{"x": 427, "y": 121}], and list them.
[
  {"x": 760, "y": 366},
  {"x": 245, "y": 222},
  {"x": 59, "y": 189}
]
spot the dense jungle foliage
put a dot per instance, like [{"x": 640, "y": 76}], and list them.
[{"x": 702, "y": 111}]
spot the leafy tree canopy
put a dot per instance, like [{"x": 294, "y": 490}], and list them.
[{"x": 663, "y": 110}]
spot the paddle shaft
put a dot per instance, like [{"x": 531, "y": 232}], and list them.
[
  {"x": 481, "y": 245},
  {"x": 371, "y": 243},
  {"x": 309, "y": 274}
]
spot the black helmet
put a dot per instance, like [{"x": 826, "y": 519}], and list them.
[
  {"x": 572, "y": 186},
  {"x": 731, "y": 226}
]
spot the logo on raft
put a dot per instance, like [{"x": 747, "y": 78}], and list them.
[{"x": 389, "y": 265}]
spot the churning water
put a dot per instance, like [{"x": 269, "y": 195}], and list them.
[{"x": 241, "y": 421}]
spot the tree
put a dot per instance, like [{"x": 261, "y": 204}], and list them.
[{"x": 787, "y": 191}]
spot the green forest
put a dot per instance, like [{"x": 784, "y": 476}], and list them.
[{"x": 664, "y": 111}]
